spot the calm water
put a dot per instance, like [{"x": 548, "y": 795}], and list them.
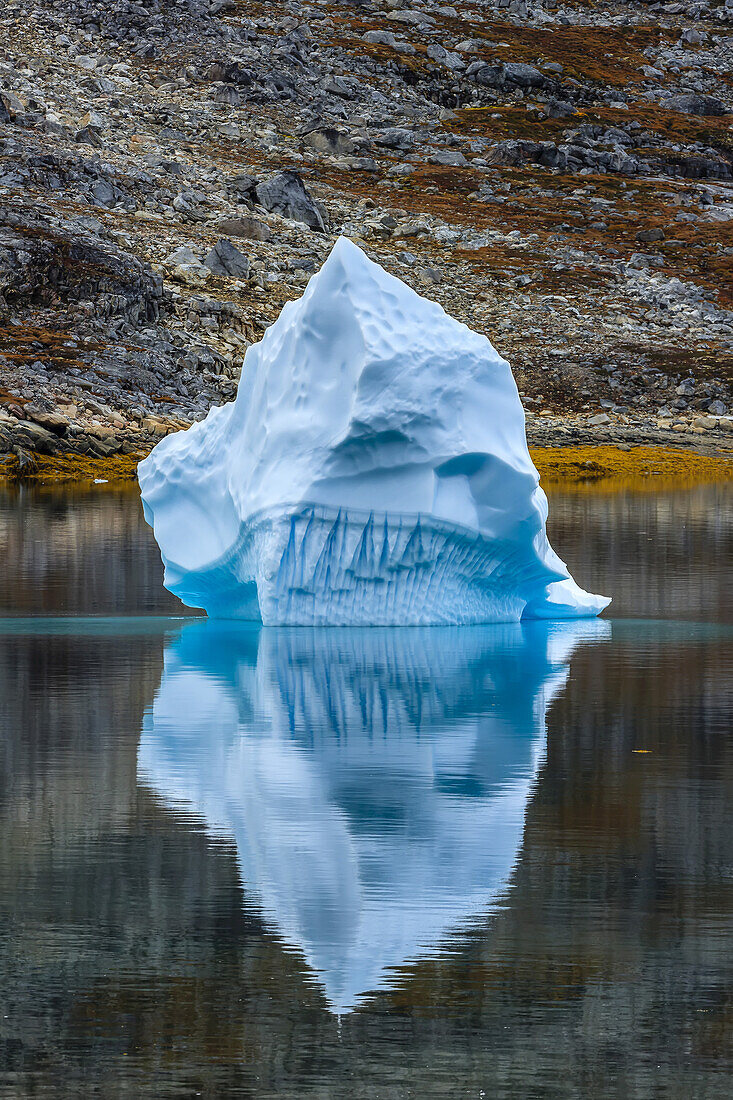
[{"x": 381, "y": 863}]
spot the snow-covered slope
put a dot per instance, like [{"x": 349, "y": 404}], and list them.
[{"x": 372, "y": 470}]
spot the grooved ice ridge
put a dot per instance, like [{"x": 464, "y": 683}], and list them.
[
  {"x": 382, "y": 569},
  {"x": 373, "y": 470}
]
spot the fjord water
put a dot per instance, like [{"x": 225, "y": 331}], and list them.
[{"x": 388, "y": 863}]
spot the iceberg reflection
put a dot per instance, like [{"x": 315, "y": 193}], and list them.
[{"x": 374, "y": 781}]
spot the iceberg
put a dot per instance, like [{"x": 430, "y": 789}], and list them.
[
  {"x": 374, "y": 783},
  {"x": 373, "y": 470}
]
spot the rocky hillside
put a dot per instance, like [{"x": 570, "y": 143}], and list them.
[{"x": 559, "y": 176}]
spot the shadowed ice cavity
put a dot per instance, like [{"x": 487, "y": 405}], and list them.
[{"x": 374, "y": 781}]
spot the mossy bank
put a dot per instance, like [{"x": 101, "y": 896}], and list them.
[{"x": 585, "y": 467}]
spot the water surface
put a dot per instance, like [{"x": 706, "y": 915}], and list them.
[{"x": 383, "y": 863}]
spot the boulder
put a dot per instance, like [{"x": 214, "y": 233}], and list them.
[
  {"x": 450, "y": 157},
  {"x": 490, "y": 76},
  {"x": 224, "y": 259},
  {"x": 285, "y": 194},
  {"x": 250, "y": 228},
  {"x": 649, "y": 236},
  {"x": 396, "y": 137},
  {"x": 181, "y": 255},
  {"x": 524, "y": 76},
  {"x": 49, "y": 419},
  {"x": 329, "y": 141},
  {"x": 693, "y": 104}
]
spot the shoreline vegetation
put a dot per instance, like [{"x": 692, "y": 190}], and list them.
[{"x": 576, "y": 467}]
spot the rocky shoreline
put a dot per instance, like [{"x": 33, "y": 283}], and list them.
[{"x": 558, "y": 176}]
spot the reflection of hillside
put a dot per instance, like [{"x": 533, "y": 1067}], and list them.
[
  {"x": 374, "y": 781},
  {"x": 128, "y": 959},
  {"x": 69, "y": 706},
  {"x": 79, "y": 552},
  {"x": 663, "y": 554}
]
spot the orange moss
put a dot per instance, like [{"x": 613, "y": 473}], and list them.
[
  {"x": 71, "y": 468},
  {"x": 581, "y": 468},
  {"x": 515, "y": 121},
  {"x": 607, "y": 55}
]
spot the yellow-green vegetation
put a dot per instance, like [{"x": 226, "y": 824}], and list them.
[
  {"x": 639, "y": 468},
  {"x": 585, "y": 467},
  {"x": 70, "y": 468}
]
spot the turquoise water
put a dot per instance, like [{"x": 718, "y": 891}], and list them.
[{"x": 383, "y": 863}]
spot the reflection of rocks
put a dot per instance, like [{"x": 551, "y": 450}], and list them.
[
  {"x": 374, "y": 781},
  {"x": 695, "y": 528}
]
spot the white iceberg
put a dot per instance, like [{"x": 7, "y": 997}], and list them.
[
  {"x": 373, "y": 470},
  {"x": 374, "y": 782}
]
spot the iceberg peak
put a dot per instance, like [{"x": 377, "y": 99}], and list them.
[{"x": 372, "y": 470}]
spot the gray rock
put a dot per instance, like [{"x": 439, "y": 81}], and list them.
[
  {"x": 228, "y": 94},
  {"x": 451, "y": 157},
  {"x": 692, "y": 104},
  {"x": 250, "y": 229},
  {"x": 330, "y": 141},
  {"x": 243, "y": 185},
  {"x": 490, "y": 76},
  {"x": 452, "y": 61},
  {"x": 524, "y": 76},
  {"x": 379, "y": 38},
  {"x": 37, "y": 438},
  {"x": 559, "y": 108},
  {"x": 285, "y": 194},
  {"x": 106, "y": 194},
  {"x": 396, "y": 137},
  {"x": 89, "y": 136},
  {"x": 181, "y": 255},
  {"x": 337, "y": 85},
  {"x": 225, "y": 259},
  {"x": 648, "y": 236}
]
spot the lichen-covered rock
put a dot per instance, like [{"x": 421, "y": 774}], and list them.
[{"x": 42, "y": 264}]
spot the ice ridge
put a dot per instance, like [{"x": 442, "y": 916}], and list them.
[{"x": 373, "y": 470}]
